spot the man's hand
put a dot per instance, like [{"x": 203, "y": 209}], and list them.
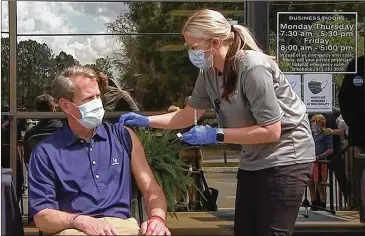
[
  {"x": 93, "y": 226},
  {"x": 154, "y": 226}
]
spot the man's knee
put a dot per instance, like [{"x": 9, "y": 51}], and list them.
[
  {"x": 70, "y": 232},
  {"x": 124, "y": 227}
]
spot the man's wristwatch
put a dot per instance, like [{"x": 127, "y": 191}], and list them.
[{"x": 220, "y": 135}]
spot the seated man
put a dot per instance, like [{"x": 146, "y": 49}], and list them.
[
  {"x": 80, "y": 177},
  {"x": 43, "y": 103}
]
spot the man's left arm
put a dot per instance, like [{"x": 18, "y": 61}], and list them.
[{"x": 151, "y": 191}]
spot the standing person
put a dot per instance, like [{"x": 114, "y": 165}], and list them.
[
  {"x": 43, "y": 103},
  {"x": 337, "y": 164},
  {"x": 114, "y": 98},
  {"x": 256, "y": 107},
  {"x": 324, "y": 148},
  {"x": 332, "y": 129}
]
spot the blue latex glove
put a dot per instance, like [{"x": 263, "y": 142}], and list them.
[
  {"x": 132, "y": 118},
  {"x": 199, "y": 135}
]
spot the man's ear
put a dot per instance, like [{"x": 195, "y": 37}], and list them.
[{"x": 64, "y": 105}]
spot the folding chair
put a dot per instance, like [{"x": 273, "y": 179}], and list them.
[
  {"x": 33, "y": 141},
  {"x": 21, "y": 185},
  {"x": 137, "y": 206}
]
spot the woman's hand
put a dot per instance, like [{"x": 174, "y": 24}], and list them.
[
  {"x": 132, "y": 118},
  {"x": 199, "y": 135}
]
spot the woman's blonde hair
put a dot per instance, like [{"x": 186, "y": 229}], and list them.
[
  {"x": 320, "y": 120},
  {"x": 208, "y": 24}
]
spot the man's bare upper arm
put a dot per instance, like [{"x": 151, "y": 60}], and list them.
[{"x": 141, "y": 170}]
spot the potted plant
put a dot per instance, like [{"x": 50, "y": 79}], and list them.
[{"x": 161, "y": 148}]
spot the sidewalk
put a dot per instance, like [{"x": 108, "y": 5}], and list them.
[
  {"x": 220, "y": 169},
  {"x": 221, "y": 223},
  {"x": 199, "y": 223}
]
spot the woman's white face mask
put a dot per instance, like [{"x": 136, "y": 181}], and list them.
[
  {"x": 198, "y": 59},
  {"x": 92, "y": 113}
]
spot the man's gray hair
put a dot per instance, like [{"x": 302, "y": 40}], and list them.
[{"x": 64, "y": 86}]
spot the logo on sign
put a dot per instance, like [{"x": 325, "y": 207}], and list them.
[
  {"x": 358, "y": 81},
  {"x": 316, "y": 87}
]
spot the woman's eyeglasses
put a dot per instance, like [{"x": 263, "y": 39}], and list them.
[{"x": 190, "y": 47}]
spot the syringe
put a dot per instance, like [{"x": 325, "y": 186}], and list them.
[{"x": 195, "y": 118}]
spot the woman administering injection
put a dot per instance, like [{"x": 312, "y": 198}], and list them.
[{"x": 256, "y": 107}]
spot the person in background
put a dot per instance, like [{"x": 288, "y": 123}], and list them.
[
  {"x": 5, "y": 146},
  {"x": 173, "y": 108},
  {"x": 332, "y": 129},
  {"x": 353, "y": 151},
  {"x": 342, "y": 126},
  {"x": 43, "y": 103},
  {"x": 340, "y": 129},
  {"x": 324, "y": 148},
  {"x": 338, "y": 164},
  {"x": 114, "y": 98},
  {"x": 5, "y": 138},
  {"x": 351, "y": 101}
]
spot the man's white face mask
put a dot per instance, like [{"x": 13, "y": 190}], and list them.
[{"x": 92, "y": 113}]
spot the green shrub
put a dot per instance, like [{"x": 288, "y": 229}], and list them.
[{"x": 161, "y": 148}]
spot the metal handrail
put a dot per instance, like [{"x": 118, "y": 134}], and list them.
[
  {"x": 339, "y": 198},
  {"x": 60, "y": 115}
]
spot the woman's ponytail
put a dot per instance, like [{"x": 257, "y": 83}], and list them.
[
  {"x": 247, "y": 38},
  {"x": 242, "y": 39}
]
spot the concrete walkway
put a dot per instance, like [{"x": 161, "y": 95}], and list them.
[
  {"x": 199, "y": 223},
  {"x": 221, "y": 223}
]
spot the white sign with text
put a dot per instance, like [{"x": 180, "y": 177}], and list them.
[
  {"x": 318, "y": 92},
  {"x": 296, "y": 83}
]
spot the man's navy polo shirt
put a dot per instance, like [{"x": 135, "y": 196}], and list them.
[{"x": 68, "y": 174}]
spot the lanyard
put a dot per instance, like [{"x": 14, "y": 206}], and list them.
[{"x": 217, "y": 102}]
